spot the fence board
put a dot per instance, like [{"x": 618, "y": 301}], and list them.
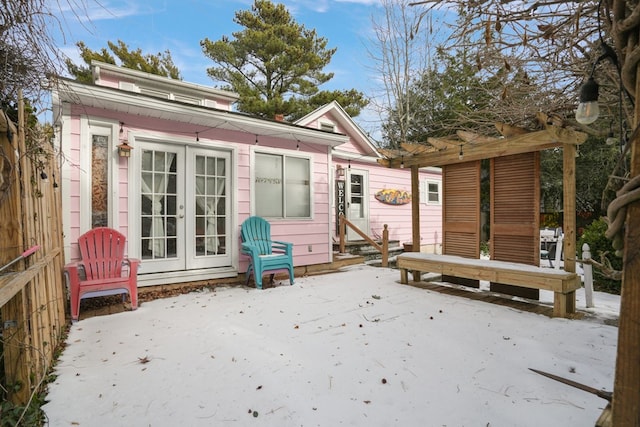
[{"x": 32, "y": 292}]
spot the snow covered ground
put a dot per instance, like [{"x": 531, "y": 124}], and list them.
[{"x": 353, "y": 348}]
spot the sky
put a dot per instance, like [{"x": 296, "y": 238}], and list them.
[
  {"x": 179, "y": 26},
  {"x": 352, "y": 348}
]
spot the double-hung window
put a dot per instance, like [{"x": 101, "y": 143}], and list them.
[
  {"x": 282, "y": 186},
  {"x": 430, "y": 192}
]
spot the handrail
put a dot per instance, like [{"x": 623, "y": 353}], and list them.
[{"x": 384, "y": 249}]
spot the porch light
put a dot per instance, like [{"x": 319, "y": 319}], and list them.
[
  {"x": 124, "y": 149},
  {"x": 339, "y": 171}
]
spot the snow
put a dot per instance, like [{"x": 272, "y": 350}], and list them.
[{"x": 353, "y": 348}]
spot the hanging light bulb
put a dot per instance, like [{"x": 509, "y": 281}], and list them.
[
  {"x": 402, "y": 163},
  {"x": 461, "y": 154},
  {"x": 588, "y": 109}
]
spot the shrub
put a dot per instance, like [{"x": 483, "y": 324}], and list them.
[{"x": 593, "y": 235}]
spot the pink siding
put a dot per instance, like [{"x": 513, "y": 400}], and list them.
[
  {"x": 303, "y": 234},
  {"x": 398, "y": 217}
]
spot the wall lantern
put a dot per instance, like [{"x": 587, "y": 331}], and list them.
[
  {"x": 339, "y": 172},
  {"x": 124, "y": 149}
]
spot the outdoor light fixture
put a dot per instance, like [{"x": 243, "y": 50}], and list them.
[
  {"x": 124, "y": 149},
  {"x": 402, "y": 162},
  {"x": 461, "y": 154},
  {"x": 339, "y": 171},
  {"x": 588, "y": 109}
]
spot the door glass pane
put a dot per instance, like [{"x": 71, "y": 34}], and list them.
[
  {"x": 268, "y": 185},
  {"x": 356, "y": 205},
  {"x": 298, "y": 188},
  {"x": 158, "y": 200},
  {"x": 209, "y": 206}
]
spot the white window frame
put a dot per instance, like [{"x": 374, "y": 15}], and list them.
[
  {"x": 284, "y": 154},
  {"x": 424, "y": 191}
]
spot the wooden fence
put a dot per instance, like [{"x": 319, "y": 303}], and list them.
[{"x": 32, "y": 292}]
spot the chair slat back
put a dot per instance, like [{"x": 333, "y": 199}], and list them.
[
  {"x": 102, "y": 251},
  {"x": 257, "y": 230}
]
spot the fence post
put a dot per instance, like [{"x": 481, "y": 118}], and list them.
[
  {"x": 587, "y": 269},
  {"x": 385, "y": 246}
]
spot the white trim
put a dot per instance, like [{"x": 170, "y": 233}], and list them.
[
  {"x": 64, "y": 144},
  {"x": 284, "y": 153},
  {"x": 365, "y": 194},
  {"x": 99, "y": 68},
  {"x": 424, "y": 191},
  {"x": 134, "y": 203},
  {"x": 132, "y": 103},
  {"x": 90, "y": 126}
]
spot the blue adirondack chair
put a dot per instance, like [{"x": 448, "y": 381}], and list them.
[{"x": 265, "y": 255}]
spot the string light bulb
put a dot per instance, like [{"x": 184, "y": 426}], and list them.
[
  {"x": 402, "y": 162},
  {"x": 256, "y": 139},
  {"x": 588, "y": 109},
  {"x": 461, "y": 154}
]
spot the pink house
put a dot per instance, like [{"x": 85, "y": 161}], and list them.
[{"x": 196, "y": 169}]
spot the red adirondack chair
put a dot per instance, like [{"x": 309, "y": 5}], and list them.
[{"x": 101, "y": 272}]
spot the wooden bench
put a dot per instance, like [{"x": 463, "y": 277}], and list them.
[{"x": 562, "y": 283}]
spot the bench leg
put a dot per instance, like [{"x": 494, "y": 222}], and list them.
[
  {"x": 417, "y": 276},
  {"x": 403, "y": 276},
  {"x": 564, "y": 304}
]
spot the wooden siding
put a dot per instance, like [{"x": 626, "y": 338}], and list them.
[
  {"x": 310, "y": 236},
  {"x": 515, "y": 203},
  {"x": 398, "y": 217}
]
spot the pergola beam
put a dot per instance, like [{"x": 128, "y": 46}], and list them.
[{"x": 449, "y": 152}]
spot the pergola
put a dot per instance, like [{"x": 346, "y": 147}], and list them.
[{"x": 466, "y": 148}]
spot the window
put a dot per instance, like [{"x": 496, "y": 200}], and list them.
[
  {"x": 430, "y": 192},
  {"x": 99, "y": 181},
  {"x": 282, "y": 186}
]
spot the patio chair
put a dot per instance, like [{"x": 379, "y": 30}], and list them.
[
  {"x": 101, "y": 272},
  {"x": 265, "y": 255}
]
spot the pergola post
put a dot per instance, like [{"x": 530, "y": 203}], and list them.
[
  {"x": 569, "y": 222},
  {"x": 415, "y": 208},
  {"x": 626, "y": 389}
]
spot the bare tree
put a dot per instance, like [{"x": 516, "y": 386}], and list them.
[
  {"x": 557, "y": 44},
  {"x": 400, "y": 52},
  {"x": 28, "y": 53},
  {"x": 566, "y": 42}
]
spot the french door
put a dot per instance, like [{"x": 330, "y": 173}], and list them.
[{"x": 184, "y": 207}]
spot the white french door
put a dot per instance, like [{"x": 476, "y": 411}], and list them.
[{"x": 184, "y": 208}]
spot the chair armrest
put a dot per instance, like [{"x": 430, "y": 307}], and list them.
[
  {"x": 133, "y": 263},
  {"x": 75, "y": 272},
  {"x": 249, "y": 249},
  {"x": 287, "y": 247}
]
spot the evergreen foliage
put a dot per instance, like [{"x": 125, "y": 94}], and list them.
[
  {"x": 275, "y": 65},
  {"x": 118, "y": 53}
]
